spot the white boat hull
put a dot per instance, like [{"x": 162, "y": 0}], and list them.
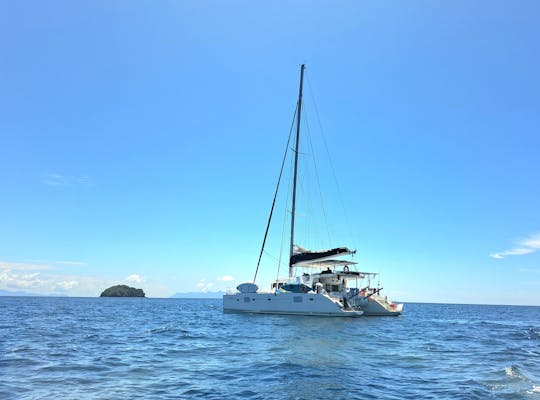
[
  {"x": 379, "y": 306},
  {"x": 287, "y": 303}
]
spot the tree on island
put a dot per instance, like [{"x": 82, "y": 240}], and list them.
[{"x": 122, "y": 291}]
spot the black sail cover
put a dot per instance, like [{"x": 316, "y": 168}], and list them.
[{"x": 306, "y": 256}]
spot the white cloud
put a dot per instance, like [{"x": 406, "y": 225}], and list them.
[
  {"x": 15, "y": 280},
  {"x": 36, "y": 265},
  {"x": 204, "y": 286},
  {"x": 135, "y": 278},
  {"x": 42, "y": 279},
  {"x": 527, "y": 246},
  {"x": 226, "y": 278},
  {"x": 54, "y": 179},
  {"x": 66, "y": 285},
  {"x": 50, "y": 283},
  {"x": 533, "y": 241},
  {"x": 17, "y": 266},
  {"x": 512, "y": 252},
  {"x": 70, "y": 263}
]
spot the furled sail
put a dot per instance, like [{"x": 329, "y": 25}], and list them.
[
  {"x": 304, "y": 256},
  {"x": 326, "y": 263}
]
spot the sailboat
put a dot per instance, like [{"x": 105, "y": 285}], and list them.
[{"x": 324, "y": 292}]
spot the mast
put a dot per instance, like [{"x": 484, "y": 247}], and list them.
[{"x": 296, "y": 146}]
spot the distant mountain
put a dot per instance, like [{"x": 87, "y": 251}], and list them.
[
  {"x": 199, "y": 295},
  {"x": 28, "y": 294},
  {"x": 16, "y": 293}
]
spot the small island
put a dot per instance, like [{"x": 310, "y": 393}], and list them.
[{"x": 122, "y": 291}]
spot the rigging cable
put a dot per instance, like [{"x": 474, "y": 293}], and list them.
[
  {"x": 275, "y": 195},
  {"x": 285, "y": 220},
  {"x": 318, "y": 183},
  {"x": 340, "y": 196}
]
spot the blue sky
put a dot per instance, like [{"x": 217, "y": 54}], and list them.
[{"x": 141, "y": 141}]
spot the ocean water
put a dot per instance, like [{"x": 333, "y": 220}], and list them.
[{"x": 111, "y": 348}]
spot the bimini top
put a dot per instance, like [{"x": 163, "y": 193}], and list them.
[{"x": 303, "y": 256}]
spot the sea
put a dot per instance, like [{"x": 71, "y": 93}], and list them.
[{"x": 140, "y": 348}]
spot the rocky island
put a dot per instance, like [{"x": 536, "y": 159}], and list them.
[{"x": 122, "y": 291}]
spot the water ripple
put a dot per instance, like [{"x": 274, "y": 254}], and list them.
[{"x": 73, "y": 348}]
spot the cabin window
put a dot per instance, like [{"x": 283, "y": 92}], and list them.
[
  {"x": 311, "y": 299},
  {"x": 298, "y": 299},
  {"x": 247, "y": 299},
  {"x": 335, "y": 288}
]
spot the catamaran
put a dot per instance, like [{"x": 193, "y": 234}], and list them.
[{"x": 327, "y": 289}]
